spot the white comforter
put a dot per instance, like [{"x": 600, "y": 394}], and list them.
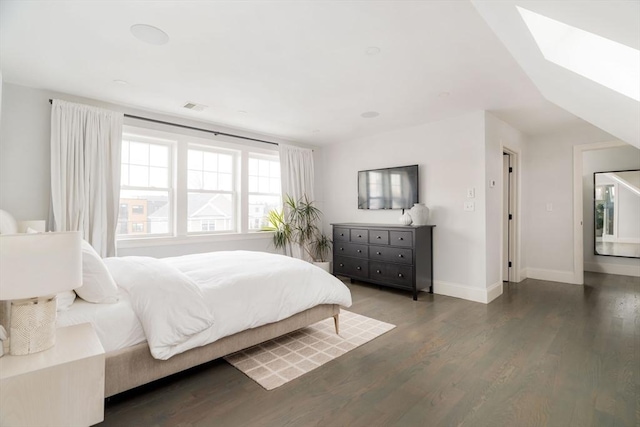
[{"x": 189, "y": 301}]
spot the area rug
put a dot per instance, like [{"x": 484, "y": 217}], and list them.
[{"x": 278, "y": 361}]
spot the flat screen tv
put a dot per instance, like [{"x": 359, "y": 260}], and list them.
[{"x": 390, "y": 188}]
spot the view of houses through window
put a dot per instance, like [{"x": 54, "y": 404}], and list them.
[{"x": 204, "y": 195}]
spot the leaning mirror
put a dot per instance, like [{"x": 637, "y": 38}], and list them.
[{"x": 617, "y": 213}]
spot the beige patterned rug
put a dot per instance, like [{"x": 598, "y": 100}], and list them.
[{"x": 283, "y": 359}]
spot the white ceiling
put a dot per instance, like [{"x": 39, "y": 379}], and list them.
[
  {"x": 619, "y": 21},
  {"x": 298, "y": 69}
]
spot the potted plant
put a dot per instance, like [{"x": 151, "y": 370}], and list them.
[
  {"x": 296, "y": 224},
  {"x": 321, "y": 248}
]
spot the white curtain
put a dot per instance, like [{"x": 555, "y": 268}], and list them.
[
  {"x": 296, "y": 175},
  {"x": 85, "y": 172},
  {"x": 296, "y": 171}
]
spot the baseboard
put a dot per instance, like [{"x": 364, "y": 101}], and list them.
[
  {"x": 623, "y": 270},
  {"x": 523, "y": 275},
  {"x": 456, "y": 290},
  {"x": 494, "y": 291},
  {"x": 551, "y": 275}
]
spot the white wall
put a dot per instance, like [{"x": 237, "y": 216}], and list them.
[
  {"x": 25, "y": 162},
  {"x": 610, "y": 159},
  {"x": 450, "y": 154},
  {"x": 548, "y": 179},
  {"x": 498, "y": 137}
]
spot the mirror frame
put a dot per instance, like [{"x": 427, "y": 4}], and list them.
[{"x": 593, "y": 204}]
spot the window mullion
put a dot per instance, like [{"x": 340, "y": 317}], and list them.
[
  {"x": 243, "y": 176},
  {"x": 181, "y": 196}
]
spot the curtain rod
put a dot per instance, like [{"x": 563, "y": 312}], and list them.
[{"x": 215, "y": 132}]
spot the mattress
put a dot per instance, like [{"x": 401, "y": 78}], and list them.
[{"x": 116, "y": 325}]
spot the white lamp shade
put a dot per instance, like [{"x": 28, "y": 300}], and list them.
[{"x": 34, "y": 265}]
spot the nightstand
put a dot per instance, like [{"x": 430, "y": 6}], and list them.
[{"x": 62, "y": 386}]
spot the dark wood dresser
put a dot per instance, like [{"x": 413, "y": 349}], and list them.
[{"x": 399, "y": 256}]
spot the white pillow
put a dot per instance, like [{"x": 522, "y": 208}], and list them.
[
  {"x": 8, "y": 224},
  {"x": 97, "y": 284},
  {"x": 65, "y": 300}
]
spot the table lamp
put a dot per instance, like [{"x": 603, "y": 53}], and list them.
[{"x": 33, "y": 269}]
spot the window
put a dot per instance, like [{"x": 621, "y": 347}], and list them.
[
  {"x": 176, "y": 185},
  {"x": 211, "y": 196},
  {"x": 145, "y": 195},
  {"x": 264, "y": 189},
  {"x": 606, "y": 62}
]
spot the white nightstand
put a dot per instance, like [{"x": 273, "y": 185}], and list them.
[{"x": 62, "y": 386}]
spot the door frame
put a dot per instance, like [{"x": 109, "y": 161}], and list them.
[
  {"x": 516, "y": 224},
  {"x": 578, "y": 234}
]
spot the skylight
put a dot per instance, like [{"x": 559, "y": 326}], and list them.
[{"x": 604, "y": 61}]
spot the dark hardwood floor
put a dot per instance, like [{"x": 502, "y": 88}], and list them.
[{"x": 543, "y": 354}]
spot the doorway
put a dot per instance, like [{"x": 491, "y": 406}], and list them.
[{"x": 508, "y": 223}]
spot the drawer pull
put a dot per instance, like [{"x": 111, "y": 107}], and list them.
[
  {"x": 359, "y": 235},
  {"x": 400, "y": 256},
  {"x": 341, "y": 265},
  {"x": 378, "y": 253},
  {"x": 342, "y": 249},
  {"x": 342, "y": 234},
  {"x": 378, "y": 237},
  {"x": 400, "y": 238},
  {"x": 358, "y": 268},
  {"x": 378, "y": 271},
  {"x": 359, "y": 251},
  {"x": 400, "y": 275}
]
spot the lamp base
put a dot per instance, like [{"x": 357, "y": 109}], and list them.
[{"x": 33, "y": 325}]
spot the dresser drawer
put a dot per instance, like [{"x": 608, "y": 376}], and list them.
[
  {"x": 351, "y": 249},
  {"x": 379, "y": 237},
  {"x": 391, "y": 254},
  {"x": 351, "y": 267},
  {"x": 398, "y": 275},
  {"x": 359, "y": 236},
  {"x": 340, "y": 234},
  {"x": 401, "y": 238}
]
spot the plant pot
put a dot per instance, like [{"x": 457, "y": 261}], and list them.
[{"x": 326, "y": 265}]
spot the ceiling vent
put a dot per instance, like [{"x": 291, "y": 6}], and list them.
[{"x": 193, "y": 106}]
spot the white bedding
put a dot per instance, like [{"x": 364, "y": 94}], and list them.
[
  {"x": 116, "y": 325},
  {"x": 241, "y": 290}
]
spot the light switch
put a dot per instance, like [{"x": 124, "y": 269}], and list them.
[
  {"x": 492, "y": 183},
  {"x": 471, "y": 193},
  {"x": 469, "y": 206},
  {"x": 549, "y": 207}
]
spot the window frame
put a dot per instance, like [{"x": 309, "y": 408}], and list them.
[
  {"x": 234, "y": 186},
  {"x": 129, "y": 134},
  {"x": 179, "y": 194},
  {"x": 252, "y": 154}
]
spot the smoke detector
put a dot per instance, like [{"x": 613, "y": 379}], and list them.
[{"x": 193, "y": 106}]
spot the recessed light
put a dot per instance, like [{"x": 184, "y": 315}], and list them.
[
  {"x": 242, "y": 112},
  {"x": 121, "y": 82},
  {"x": 443, "y": 94},
  {"x": 369, "y": 114},
  {"x": 372, "y": 50},
  {"x": 149, "y": 34}
]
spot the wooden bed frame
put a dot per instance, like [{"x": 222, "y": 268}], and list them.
[{"x": 134, "y": 366}]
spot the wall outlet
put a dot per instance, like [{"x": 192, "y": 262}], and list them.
[
  {"x": 471, "y": 193},
  {"x": 549, "y": 207},
  {"x": 469, "y": 206}
]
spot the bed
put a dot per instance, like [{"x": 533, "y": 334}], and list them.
[{"x": 242, "y": 298}]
